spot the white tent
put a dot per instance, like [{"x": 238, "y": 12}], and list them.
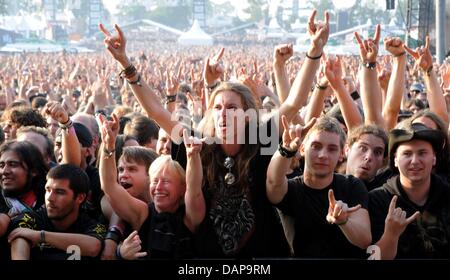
[{"x": 195, "y": 36}]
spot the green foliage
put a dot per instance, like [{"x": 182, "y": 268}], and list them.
[
  {"x": 361, "y": 12},
  {"x": 255, "y": 10},
  {"x": 177, "y": 17},
  {"x": 321, "y": 6},
  {"x": 133, "y": 12}
]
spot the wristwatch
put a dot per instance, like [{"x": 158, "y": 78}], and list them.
[
  {"x": 108, "y": 153},
  {"x": 370, "y": 65}
]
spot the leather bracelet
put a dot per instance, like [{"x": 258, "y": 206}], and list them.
[
  {"x": 128, "y": 72},
  {"x": 66, "y": 125},
  {"x": 213, "y": 86},
  {"x": 313, "y": 57},
  {"x": 113, "y": 235},
  {"x": 137, "y": 82},
  {"x": 285, "y": 152}
]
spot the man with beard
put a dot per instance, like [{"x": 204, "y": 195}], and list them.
[
  {"x": 50, "y": 231},
  {"x": 22, "y": 178},
  {"x": 73, "y": 145}
]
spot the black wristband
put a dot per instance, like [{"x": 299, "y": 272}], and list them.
[
  {"x": 128, "y": 72},
  {"x": 285, "y": 152},
  {"x": 114, "y": 235},
  {"x": 321, "y": 87},
  {"x": 137, "y": 82},
  {"x": 313, "y": 57},
  {"x": 355, "y": 95},
  {"x": 171, "y": 98},
  {"x": 213, "y": 86}
]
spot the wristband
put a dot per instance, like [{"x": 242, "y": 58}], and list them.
[
  {"x": 66, "y": 125},
  {"x": 285, "y": 152},
  {"x": 137, "y": 82},
  {"x": 321, "y": 87},
  {"x": 114, "y": 235},
  {"x": 313, "y": 57},
  {"x": 108, "y": 154},
  {"x": 355, "y": 95},
  {"x": 213, "y": 86},
  {"x": 42, "y": 240},
  {"x": 171, "y": 98},
  {"x": 118, "y": 254}
]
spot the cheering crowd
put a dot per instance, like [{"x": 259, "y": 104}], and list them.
[{"x": 243, "y": 152}]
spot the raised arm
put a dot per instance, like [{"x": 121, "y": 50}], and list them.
[
  {"x": 70, "y": 146},
  {"x": 435, "y": 95},
  {"x": 370, "y": 89},
  {"x": 147, "y": 98},
  {"x": 321, "y": 91},
  {"x": 396, "y": 86},
  {"x": 276, "y": 182},
  {"x": 193, "y": 198},
  {"x": 350, "y": 112},
  {"x": 301, "y": 87},
  {"x": 212, "y": 71},
  {"x": 281, "y": 54},
  {"x": 395, "y": 224},
  {"x": 131, "y": 209},
  {"x": 354, "y": 221}
]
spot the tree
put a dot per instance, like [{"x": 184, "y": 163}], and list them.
[
  {"x": 133, "y": 12},
  {"x": 321, "y": 6},
  {"x": 362, "y": 11},
  {"x": 177, "y": 17},
  {"x": 255, "y": 10}
]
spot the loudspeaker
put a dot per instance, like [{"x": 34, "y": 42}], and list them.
[{"x": 390, "y": 4}]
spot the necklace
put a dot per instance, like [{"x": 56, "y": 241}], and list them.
[{"x": 230, "y": 179}]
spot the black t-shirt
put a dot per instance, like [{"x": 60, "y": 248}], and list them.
[
  {"x": 239, "y": 225},
  {"x": 40, "y": 221},
  {"x": 92, "y": 203},
  {"x": 4, "y": 246},
  {"x": 13, "y": 207},
  {"x": 429, "y": 235},
  {"x": 314, "y": 236},
  {"x": 3, "y": 207},
  {"x": 165, "y": 236}
]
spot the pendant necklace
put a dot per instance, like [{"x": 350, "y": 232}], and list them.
[{"x": 230, "y": 179}]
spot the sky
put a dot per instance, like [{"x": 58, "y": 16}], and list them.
[{"x": 239, "y": 4}]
